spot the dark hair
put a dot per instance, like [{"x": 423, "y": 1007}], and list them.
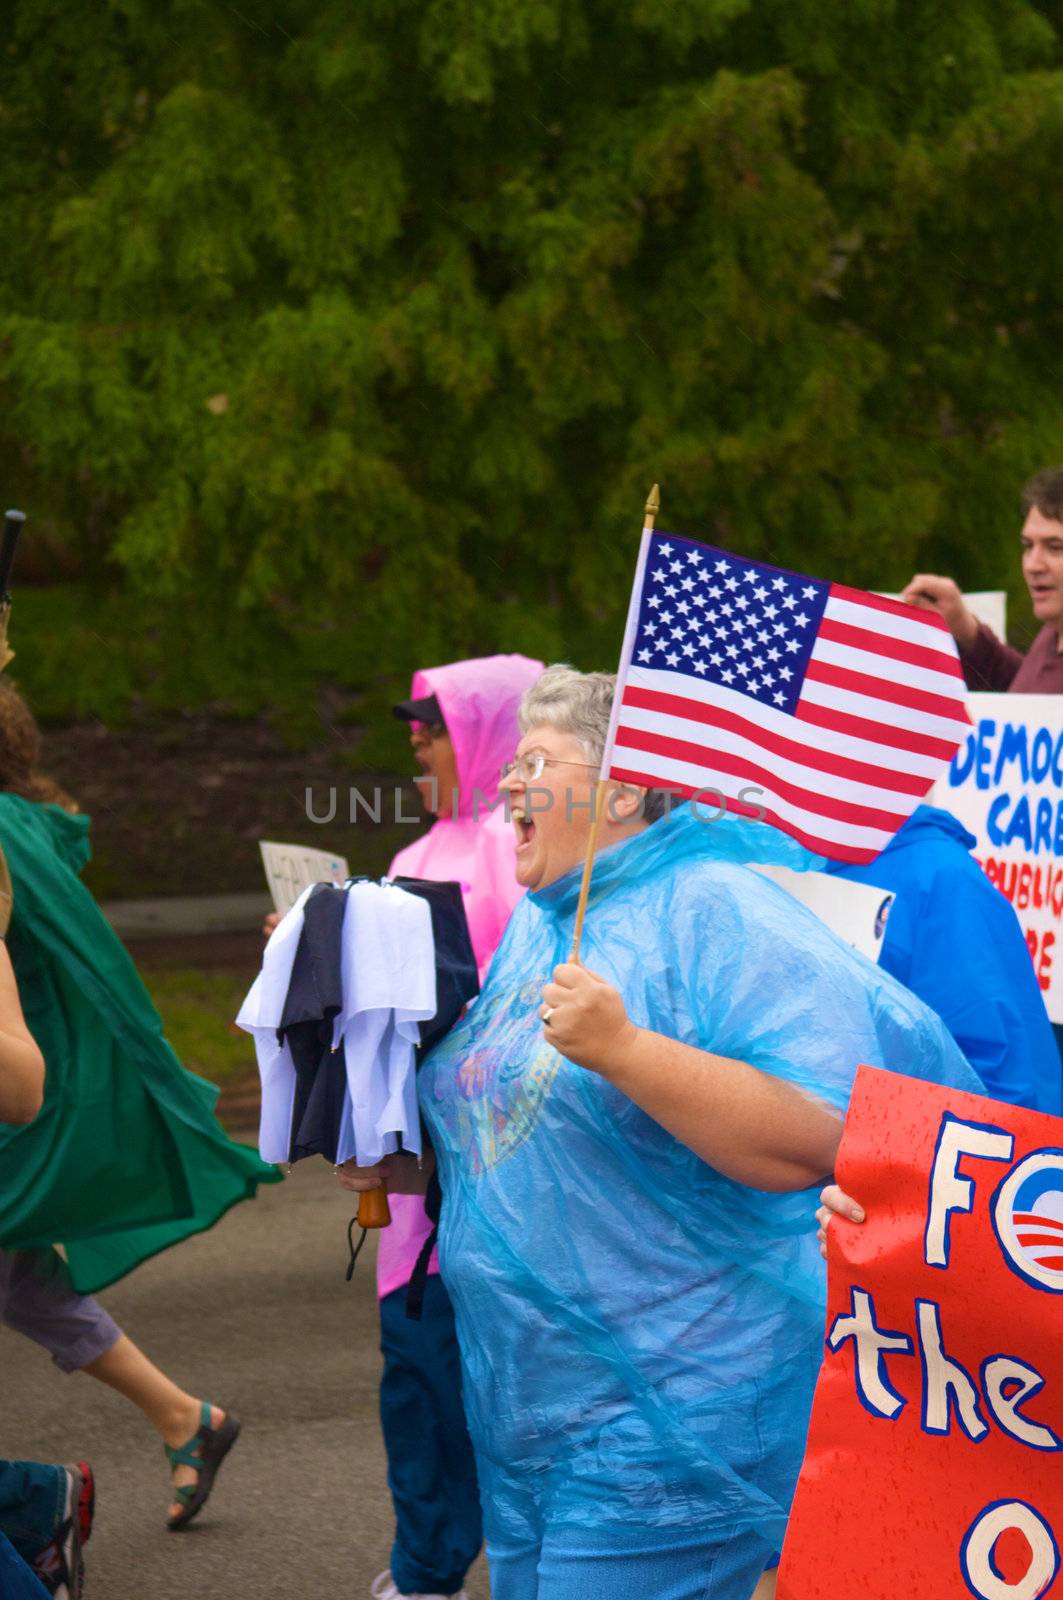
[
  {"x": 20, "y": 748},
  {"x": 1045, "y": 492}
]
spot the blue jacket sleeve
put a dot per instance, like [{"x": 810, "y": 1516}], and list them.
[{"x": 969, "y": 962}]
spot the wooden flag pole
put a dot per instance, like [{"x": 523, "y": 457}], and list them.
[{"x": 653, "y": 505}]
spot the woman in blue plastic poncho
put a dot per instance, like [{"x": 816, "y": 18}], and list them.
[{"x": 628, "y": 1153}]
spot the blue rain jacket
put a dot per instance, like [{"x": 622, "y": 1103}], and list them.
[
  {"x": 640, "y": 1335},
  {"x": 953, "y": 939}
]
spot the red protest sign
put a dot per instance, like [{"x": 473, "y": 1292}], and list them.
[{"x": 934, "y": 1464}]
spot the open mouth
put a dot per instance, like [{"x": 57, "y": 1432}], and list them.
[{"x": 524, "y": 827}]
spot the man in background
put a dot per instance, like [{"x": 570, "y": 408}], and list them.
[{"x": 988, "y": 662}]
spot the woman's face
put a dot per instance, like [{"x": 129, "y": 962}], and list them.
[
  {"x": 552, "y": 815},
  {"x": 436, "y": 759}
]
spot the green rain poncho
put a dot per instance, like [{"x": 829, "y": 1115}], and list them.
[{"x": 126, "y": 1156}]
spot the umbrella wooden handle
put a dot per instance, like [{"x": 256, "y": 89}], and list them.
[{"x": 373, "y": 1209}]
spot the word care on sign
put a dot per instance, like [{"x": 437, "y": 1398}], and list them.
[
  {"x": 1005, "y": 784},
  {"x": 291, "y": 868},
  {"x": 934, "y": 1464}
]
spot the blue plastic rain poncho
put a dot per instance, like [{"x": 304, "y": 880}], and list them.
[
  {"x": 954, "y": 940},
  {"x": 640, "y": 1336}
]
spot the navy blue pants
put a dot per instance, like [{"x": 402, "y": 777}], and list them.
[
  {"x": 32, "y": 1500},
  {"x": 431, "y": 1470}
]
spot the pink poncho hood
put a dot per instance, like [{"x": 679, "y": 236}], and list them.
[{"x": 475, "y": 847}]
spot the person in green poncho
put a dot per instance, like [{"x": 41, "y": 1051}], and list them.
[{"x": 125, "y": 1157}]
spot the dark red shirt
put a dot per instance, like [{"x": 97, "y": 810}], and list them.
[{"x": 990, "y": 664}]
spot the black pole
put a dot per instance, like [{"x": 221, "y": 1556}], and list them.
[{"x": 13, "y": 522}]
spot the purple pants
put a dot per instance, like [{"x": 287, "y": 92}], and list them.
[{"x": 38, "y": 1299}]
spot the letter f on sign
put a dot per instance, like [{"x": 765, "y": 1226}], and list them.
[{"x": 949, "y": 1191}]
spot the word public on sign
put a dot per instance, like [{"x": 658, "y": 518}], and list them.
[
  {"x": 1005, "y": 784},
  {"x": 934, "y": 1463}
]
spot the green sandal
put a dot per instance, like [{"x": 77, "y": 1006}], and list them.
[{"x": 205, "y": 1451}]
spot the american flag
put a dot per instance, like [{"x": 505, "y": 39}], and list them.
[{"x": 840, "y": 707}]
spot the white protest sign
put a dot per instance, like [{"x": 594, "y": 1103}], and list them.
[
  {"x": 989, "y": 606},
  {"x": 1006, "y": 785},
  {"x": 291, "y": 868},
  {"x": 854, "y": 911}
]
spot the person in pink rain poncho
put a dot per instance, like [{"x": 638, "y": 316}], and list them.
[{"x": 463, "y": 721}]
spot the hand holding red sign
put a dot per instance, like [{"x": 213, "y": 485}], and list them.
[{"x": 933, "y": 1463}]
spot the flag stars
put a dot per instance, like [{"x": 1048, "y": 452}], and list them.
[
  {"x": 722, "y": 566},
  {"x": 659, "y": 575},
  {"x": 677, "y": 633},
  {"x": 779, "y": 630},
  {"x": 727, "y": 675},
  {"x": 650, "y": 629},
  {"x": 792, "y": 645},
  {"x": 773, "y": 654},
  {"x": 771, "y": 612},
  {"x": 688, "y": 583},
  {"x": 716, "y": 660},
  {"x": 667, "y": 616},
  {"x": 655, "y": 601},
  {"x": 714, "y": 591},
  {"x": 694, "y": 555},
  {"x": 705, "y": 642},
  {"x": 801, "y": 620},
  {"x": 760, "y": 594},
  {"x": 672, "y": 659},
  {"x": 677, "y": 566},
  {"x": 688, "y": 649},
  {"x": 778, "y": 584},
  {"x": 788, "y": 601},
  {"x": 764, "y": 637},
  {"x": 665, "y": 549},
  {"x": 670, "y": 590},
  {"x": 785, "y": 674},
  {"x": 742, "y": 602},
  {"x": 730, "y": 583},
  {"x": 779, "y": 697},
  {"x": 732, "y": 651},
  {"x": 699, "y": 666},
  {"x": 809, "y": 592},
  {"x": 645, "y": 655},
  {"x": 683, "y": 607}
]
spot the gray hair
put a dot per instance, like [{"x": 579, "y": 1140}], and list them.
[{"x": 580, "y": 703}]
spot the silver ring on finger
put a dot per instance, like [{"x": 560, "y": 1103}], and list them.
[{"x": 547, "y": 1013}]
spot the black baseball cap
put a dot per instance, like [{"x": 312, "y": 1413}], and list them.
[{"x": 426, "y": 710}]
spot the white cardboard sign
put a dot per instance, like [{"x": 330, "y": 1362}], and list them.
[
  {"x": 1006, "y": 785},
  {"x": 988, "y": 605},
  {"x": 854, "y": 911},
  {"x": 291, "y": 868}
]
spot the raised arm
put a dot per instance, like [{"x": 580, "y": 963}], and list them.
[
  {"x": 21, "y": 1062},
  {"x": 745, "y": 1123}
]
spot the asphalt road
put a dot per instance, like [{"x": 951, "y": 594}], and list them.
[{"x": 257, "y": 1317}]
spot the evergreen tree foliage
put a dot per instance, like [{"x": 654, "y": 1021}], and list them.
[{"x": 382, "y": 317}]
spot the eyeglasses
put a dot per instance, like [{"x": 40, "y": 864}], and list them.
[{"x": 530, "y": 768}]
